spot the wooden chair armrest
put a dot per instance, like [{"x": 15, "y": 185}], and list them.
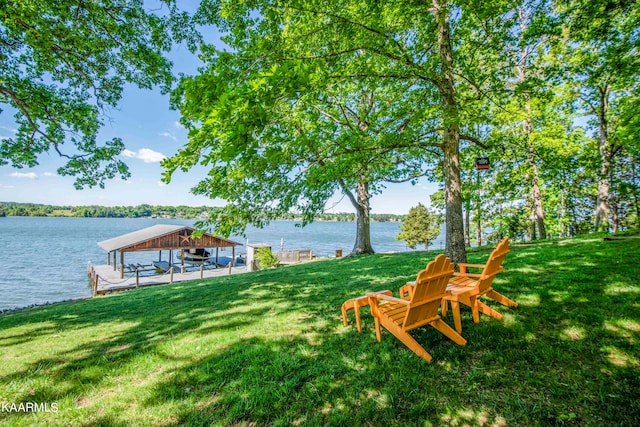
[
  {"x": 467, "y": 275},
  {"x": 471, "y": 265},
  {"x": 386, "y": 298},
  {"x": 406, "y": 290},
  {"x": 463, "y": 266}
]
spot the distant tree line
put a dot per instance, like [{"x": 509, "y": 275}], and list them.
[
  {"x": 346, "y": 217},
  {"x": 158, "y": 211},
  {"x": 95, "y": 211}
]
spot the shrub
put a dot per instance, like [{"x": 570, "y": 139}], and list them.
[{"x": 266, "y": 258}]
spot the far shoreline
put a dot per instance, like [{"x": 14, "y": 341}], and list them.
[{"x": 144, "y": 211}]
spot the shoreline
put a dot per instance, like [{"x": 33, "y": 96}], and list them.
[{"x": 4, "y": 311}]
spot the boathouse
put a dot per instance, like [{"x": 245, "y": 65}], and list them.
[{"x": 161, "y": 237}]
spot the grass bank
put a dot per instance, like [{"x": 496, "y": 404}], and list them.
[{"x": 269, "y": 348}]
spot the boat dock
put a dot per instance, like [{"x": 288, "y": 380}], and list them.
[
  {"x": 104, "y": 279},
  {"x": 194, "y": 260},
  {"x": 120, "y": 276}
]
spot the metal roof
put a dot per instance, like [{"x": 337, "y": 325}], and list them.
[{"x": 163, "y": 236}]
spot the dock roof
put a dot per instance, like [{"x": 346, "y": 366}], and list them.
[{"x": 164, "y": 236}]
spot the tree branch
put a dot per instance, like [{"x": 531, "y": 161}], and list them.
[
  {"x": 329, "y": 116},
  {"x": 411, "y": 178},
  {"x": 474, "y": 140}
]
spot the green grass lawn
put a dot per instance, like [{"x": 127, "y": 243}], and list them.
[{"x": 269, "y": 348}]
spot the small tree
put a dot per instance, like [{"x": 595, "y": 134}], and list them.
[
  {"x": 420, "y": 226},
  {"x": 267, "y": 259}
]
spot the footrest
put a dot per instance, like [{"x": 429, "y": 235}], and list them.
[{"x": 355, "y": 304}]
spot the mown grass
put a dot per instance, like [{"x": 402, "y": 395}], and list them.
[{"x": 269, "y": 348}]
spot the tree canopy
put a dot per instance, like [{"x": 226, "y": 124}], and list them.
[
  {"x": 378, "y": 43},
  {"x": 282, "y": 133},
  {"x": 64, "y": 63}
]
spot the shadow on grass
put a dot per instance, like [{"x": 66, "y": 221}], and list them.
[
  {"x": 270, "y": 348},
  {"x": 577, "y": 326}
]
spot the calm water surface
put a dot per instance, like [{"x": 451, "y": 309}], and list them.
[{"x": 46, "y": 259}]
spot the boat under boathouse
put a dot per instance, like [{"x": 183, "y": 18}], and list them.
[{"x": 166, "y": 237}]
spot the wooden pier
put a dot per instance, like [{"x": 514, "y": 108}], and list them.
[
  {"x": 119, "y": 276},
  {"x": 105, "y": 280},
  {"x": 115, "y": 276}
]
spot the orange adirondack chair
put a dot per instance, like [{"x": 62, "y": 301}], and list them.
[
  {"x": 399, "y": 316},
  {"x": 467, "y": 288}
]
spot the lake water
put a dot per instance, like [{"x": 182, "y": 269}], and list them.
[{"x": 45, "y": 259}]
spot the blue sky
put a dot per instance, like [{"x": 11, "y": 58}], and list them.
[{"x": 151, "y": 131}]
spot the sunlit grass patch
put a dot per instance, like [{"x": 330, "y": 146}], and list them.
[
  {"x": 620, "y": 358},
  {"x": 624, "y": 328},
  {"x": 529, "y": 300},
  {"x": 527, "y": 270},
  {"x": 622, "y": 288},
  {"x": 466, "y": 416},
  {"x": 573, "y": 333}
]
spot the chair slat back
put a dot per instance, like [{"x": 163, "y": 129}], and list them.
[
  {"x": 431, "y": 283},
  {"x": 493, "y": 265}
]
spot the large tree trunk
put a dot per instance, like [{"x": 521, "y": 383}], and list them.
[
  {"x": 454, "y": 247},
  {"x": 479, "y": 226},
  {"x": 636, "y": 202},
  {"x": 536, "y": 195},
  {"x": 363, "y": 227},
  {"x": 532, "y": 225},
  {"x": 563, "y": 213},
  {"x": 500, "y": 235},
  {"x": 537, "y": 210},
  {"x": 478, "y": 208},
  {"x": 602, "y": 203},
  {"x": 467, "y": 226},
  {"x": 615, "y": 220}
]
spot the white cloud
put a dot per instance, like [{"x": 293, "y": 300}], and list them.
[
  {"x": 162, "y": 184},
  {"x": 168, "y": 135},
  {"x": 10, "y": 129},
  {"x": 147, "y": 155},
  {"x": 178, "y": 125},
  {"x": 29, "y": 175},
  {"x": 6, "y": 187},
  {"x": 129, "y": 153},
  {"x": 50, "y": 174}
]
